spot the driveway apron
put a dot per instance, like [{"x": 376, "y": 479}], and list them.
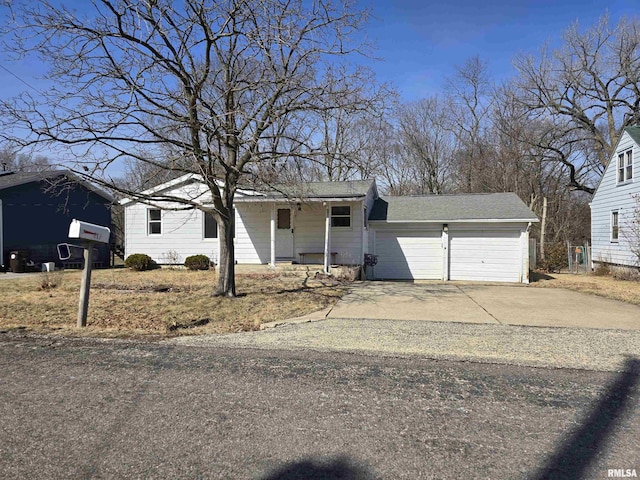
[{"x": 485, "y": 304}]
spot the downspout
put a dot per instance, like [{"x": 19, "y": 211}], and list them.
[
  {"x": 365, "y": 236},
  {"x": 445, "y": 250},
  {"x": 526, "y": 266}
]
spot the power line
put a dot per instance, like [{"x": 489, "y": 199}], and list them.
[{"x": 19, "y": 79}]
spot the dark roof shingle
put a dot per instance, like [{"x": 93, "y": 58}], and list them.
[
  {"x": 355, "y": 188},
  {"x": 451, "y": 208},
  {"x": 13, "y": 179},
  {"x": 634, "y": 132}
]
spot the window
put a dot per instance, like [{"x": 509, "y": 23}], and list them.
[
  {"x": 341, "y": 216},
  {"x": 284, "y": 219},
  {"x": 625, "y": 166},
  {"x": 210, "y": 226},
  {"x": 614, "y": 227},
  {"x": 366, "y": 218},
  {"x": 155, "y": 221}
]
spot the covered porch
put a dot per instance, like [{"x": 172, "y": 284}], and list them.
[{"x": 321, "y": 232}]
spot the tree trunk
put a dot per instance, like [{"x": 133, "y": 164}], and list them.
[
  {"x": 226, "y": 225},
  {"x": 226, "y": 268}
]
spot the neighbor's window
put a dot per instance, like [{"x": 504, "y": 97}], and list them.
[
  {"x": 155, "y": 221},
  {"x": 210, "y": 226},
  {"x": 341, "y": 216},
  {"x": 614, "y": 227},
  {"x": 625, "y": 166}
]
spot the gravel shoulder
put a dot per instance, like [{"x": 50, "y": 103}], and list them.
[{"x": 577, "y": 348}]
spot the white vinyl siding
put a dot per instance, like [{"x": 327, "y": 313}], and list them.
[
  {"x": 347, "y": 241},
  {"x": 253, "y": 233},
  {"x": 614, "y": 196},
  {"x": 182, "y": 234},
  {"x": 486, "y": 254},
  {"x": 408, "y": 254},
  {"x": 309, "y": 232}
]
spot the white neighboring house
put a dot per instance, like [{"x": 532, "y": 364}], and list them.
[
  {"x": 434, "y": 237},
  {"x": 614, "y": 204}
]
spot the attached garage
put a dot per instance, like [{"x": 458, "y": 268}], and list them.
[
  {"x": 409, "y": 254},
  {"x": 480, "y": 237},
  {"x": 485, "y": 254}
]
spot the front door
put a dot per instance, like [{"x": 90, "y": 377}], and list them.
[{"x": 284, "y": 234}]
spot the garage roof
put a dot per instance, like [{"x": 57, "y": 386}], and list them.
[{"x": 505, "y": 207}]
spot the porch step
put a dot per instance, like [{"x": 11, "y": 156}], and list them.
[{"x": 285, "y": 260}]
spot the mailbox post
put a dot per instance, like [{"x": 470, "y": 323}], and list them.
[{"x": 91, "y": 234}]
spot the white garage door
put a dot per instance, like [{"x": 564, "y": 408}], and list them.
[
  {"x": 486, "y": 255},
  {"x": 407, "y": 255}
]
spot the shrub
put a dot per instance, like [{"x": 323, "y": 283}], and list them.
[
  {"x": 555, "y": 258},
  {"x": 626, "y": 273},
  {"x": 49, "y": 280},
  {"x": 602, "y": 270},
  {"x": 139, "y": 262},
  {"x": 197, "y": 262}
]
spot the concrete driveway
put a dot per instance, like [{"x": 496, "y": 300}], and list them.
[{"x": 485, "y": 304}]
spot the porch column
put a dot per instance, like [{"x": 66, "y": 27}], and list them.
[
  {"x": 273, "y": 235},
  {"x": 327, "y": 237}
]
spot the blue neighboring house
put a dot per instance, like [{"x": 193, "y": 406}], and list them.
[{"x": 36, "y": 209}]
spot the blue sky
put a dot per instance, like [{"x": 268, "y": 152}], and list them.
[{"x": 420, "y": 42}]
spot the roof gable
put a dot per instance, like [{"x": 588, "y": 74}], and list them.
[
  {"x": 452, "y": 208},
  {"x": 303, "y": 190},
  {"x": 14, "y": 179},
  {"x": 632, "y": 133}
]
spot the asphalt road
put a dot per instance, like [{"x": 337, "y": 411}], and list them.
[{"x": 113, "y": 409}]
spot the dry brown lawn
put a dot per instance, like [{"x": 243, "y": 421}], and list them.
[
  {"x": 160, "y": 302},
  {"x": 604, "y": 286}
]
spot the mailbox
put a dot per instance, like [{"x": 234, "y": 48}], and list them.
[{"x": 89, "y": 231}]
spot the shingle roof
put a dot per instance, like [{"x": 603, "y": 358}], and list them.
[
  {"x": 451, "y": 208},
  {"x": 12, "y": 179},
  {"x": 634, "y": 132},
  {"x": 355, "y": 188}
]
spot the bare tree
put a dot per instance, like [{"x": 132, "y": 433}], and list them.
[
  {"x": 426, "y": 144},
  {"x": 210, "y": 81},
  {"x": 588, "y": 91},
  {"x": 469, "y": 91},
  {"x": 10, "y": 160}
]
